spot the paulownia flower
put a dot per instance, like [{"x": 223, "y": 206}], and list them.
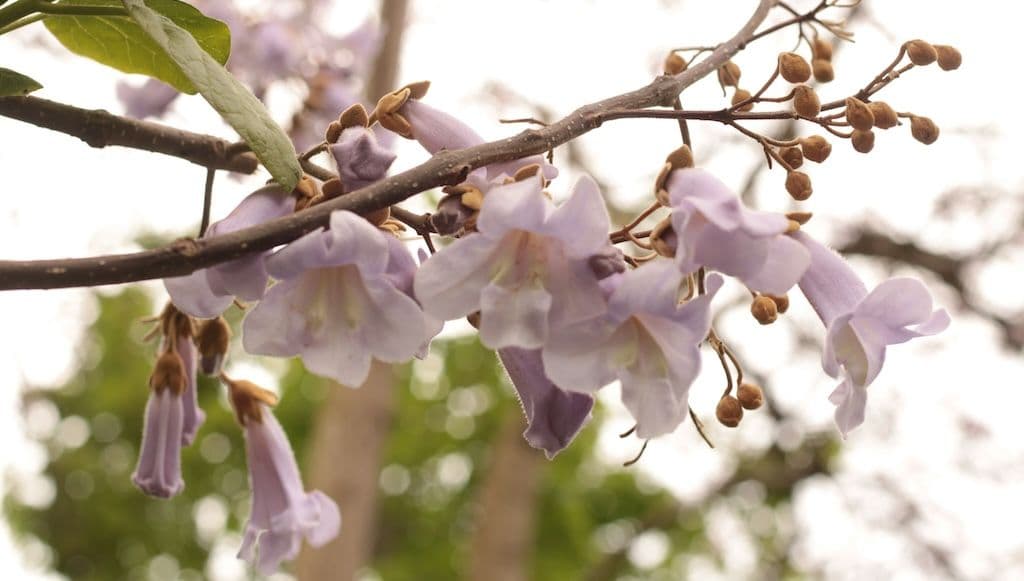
[
  {"x": 645, "y": 339},
  {"x": 526, "y": 269},
  {"x": 715, "y": 230},
  {"x": 343, "y": 299},
  {"x": 207, "y": 292},
  {"x": 861, "y": 324},
  {"x": 193, "y": 415},
  {"x": 159, "y": 470},
  {"x": 282, "y": 512},
  {"x": 554, "y": 416},
  {"x": 361, "y": 158}
]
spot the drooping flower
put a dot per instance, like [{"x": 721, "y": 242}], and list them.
[
  {"x": 207, "y": 292},
  {"x": 193, "y": 416},
  {"x": 860, "y": 325},
  {"x": 645, "y": 339},
  {"x": 526, "y": 269},
  {"x": 159, "y": 470},
  {"x": 715, "y": 230},
  {"x": 343, "y": 299},
  {"x": 282, "y": 512},
  {"x": 554, "y": 416}
]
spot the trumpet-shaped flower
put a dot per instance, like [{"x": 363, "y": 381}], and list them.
[
  {"x": 526, "y": 269},
  {"x": 207, "y": 292},
  {"x": 554, "y": 416},
  {"x": 193, "y": 414},
  {"x": 645, "y": 339},
  {"x": 860, "y": 325},
  {"x": 342, "y": 300},
  {"x": 159, "y": 470},
  {"x": 715, "y": 230}
]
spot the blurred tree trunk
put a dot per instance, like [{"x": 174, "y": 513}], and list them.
[
  {"x": 353, "y": 426},
  {"x": 503, "y": 538}
]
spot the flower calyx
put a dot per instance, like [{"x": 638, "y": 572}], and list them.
[
  {"x": 387, "y": 110},
  {"x": 246, "y": 398},
  {"x": 680, "y": 158}
]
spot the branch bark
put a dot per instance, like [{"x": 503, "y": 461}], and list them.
[{"x": 446, "y": 168}]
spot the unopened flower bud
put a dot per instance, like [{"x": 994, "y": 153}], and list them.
[
  {"x": 729, "y": 74},
  {"x": 949, "y": 58},
  {"x": 169, "y": 373},
  {"x": 750, "y": 396},
  {"x": 354, "y": 116},
  {"x": 885, "y": 116},
  {"x": 794, "y": 68},
  {"x": 739, "y": 96},
  {"x": 609, "y": 262},
  {"x": 681, "y": 157},
  {"x": 816, "y": 148},
  {"x": 333, "y": 132},
  {"x": 859, "y": 115},
  {"x": 332, "y": 188},
  {"x": 792, "y": 156},
  {"x": 764, "y": 310},
  {"x": 674, "y": 64},
  {"x": 799, "y": 218},
  {"x": 823, "y": 71},
  {"x": 729, "y": 411},
  {"x": 805, "y": 101},
  {"x": 663, "y": 239},
  {"x": 379, "y": 217},
  {"x": 863, "y": 141},
  {"x": 921, "y": 53},
  {"x": 924, "y": 130},
  {"x": 474, "y": 319},
  {"x": 821, "y": 49},
  {"x": 451, "y": 215},
  {"x": 798, "y": 184},
  {"x": 781, "y": 302},
  {"x": 212, "y": 342}
]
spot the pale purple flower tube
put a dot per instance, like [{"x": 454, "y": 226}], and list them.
[
  {"x": 193, "y": 415},
  {"x": 715, "y": 230},
  {"x": 860, "y": 325},
  {"x": 159, "y": 470},
  {"x": 282, "y": 512},
  {"x": 554, "y": 416}
]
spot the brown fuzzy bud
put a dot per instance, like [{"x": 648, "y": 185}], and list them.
[
  {"x": 246, "y": 398},
  {"x": 418, "y": 90},
  {"x": 799, "y": 218},
  {"x": 821, "y": 49},
  {"x": 924, "y": 130},
  {"x": 949, "y": 58},
  {"x": 332, "y": 188},
  {"x": 921, "y": 53},
  {"x": 451, "y": 215},
  {"x": 805, "y": 101},
  {"x": 729, "y": 411},
  {"x": 792, "y": 156},
  {"x": 169, "y": 373},
  {"x": 781, "y": 302},
  {"x": 816, "y": 148},
  {"x": 764, "y": 310},
  {"x": 859, "y": 115},
  {"x": 794, "y": 68},
  {"x": 674, "y": 64},
  {"x": 354, "y": 116},
  {"x": 212, "y": 342},
  {"x": 750, "y": 396},
  {"x": 379, "y": 217},
  {"x": 474, "y": 319},
  {"x": 333, "y": 132},
  {"x": 739, "y": 96},
  {"x": 798, "y": 184},
  {"x": 729, "y": 74},
  {"x": 663, "y": 239},
  {"x": 823, "y": 71},
  {"x": 863, "y": 141},
  {"x": 680, "y": 158},
  {"x": 885, "y": 116}
]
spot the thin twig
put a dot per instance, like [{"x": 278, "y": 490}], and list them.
[{"x": 207, "y": 200}]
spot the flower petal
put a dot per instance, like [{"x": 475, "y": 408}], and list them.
[
  {"x": 514, "y": 317},
  {"x": 517, "y": 206},
  {"x": 448, "y": 284},
  {"x": 192, "y": 294},
  {"x": 586, "y": 356},
  {"x": 582, "y": 222},
  {"x": 897, "y": 302},
  {"x": 851, "y": 402}
]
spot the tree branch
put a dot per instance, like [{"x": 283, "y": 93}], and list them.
[
  {"x": 99, "y": 128},
  {"x": 446, "y": 168}
]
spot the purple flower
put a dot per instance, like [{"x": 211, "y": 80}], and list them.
[
  {"x": 343, "y": 299},
  {"x": 436, "y": 131},
  {"x": 361, "y": 159},
  {"x": 553, "y": 416},
  {"x": 207, "y": 292},
  {"x": 193, "y": 414},
  {"x": 645, "y": 339},
  {"x": 526, "y": 269},
  {"x": 159, "y": 470},
  {"x": 150, "y": 99},
  {"x": 282, "y": 512},
  {"x": 715, "y": 230},
  {"x": 861, "y": 324}
]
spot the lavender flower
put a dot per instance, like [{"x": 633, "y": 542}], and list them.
[
  {"x": 207, "y": 292},
  {"x": 150, "y": 99},
  {"x": 553, "y": 416},
  {"x": 526, "y": 269},
  {"x": 193, "y": 415},
  {"x": 343, "y": 300},
  {"x": 715, "y": 230},
  {"x": 645, "y": 339},
  {"x": 860, "y": 324},
  {"x": 360, "y": 157},
  {"x": 159, "y": 470},
  {"x": 282, "y": 513}
]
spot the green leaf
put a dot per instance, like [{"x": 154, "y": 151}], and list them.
[
  {"x": 119, "y": 42},
  {"x": 12, "y": 83},
  {"x": 229, "y": 97}
]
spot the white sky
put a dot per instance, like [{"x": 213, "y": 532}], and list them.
[{"x": 64, "y": 198}]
